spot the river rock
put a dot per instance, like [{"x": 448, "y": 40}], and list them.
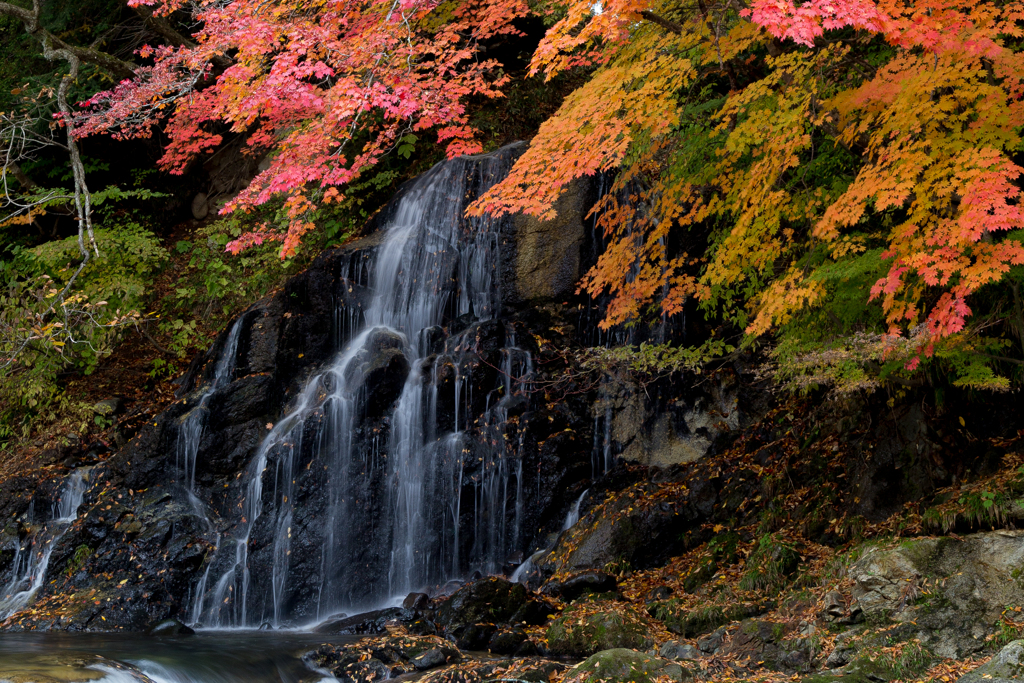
[
  {"x": 577, "y": 633},
  {"x": 1006, "y": 666},
  {"x": 621, "y": 665},
  {"x": 491, "y": 600},
  {"x": 169, "y": 627}
]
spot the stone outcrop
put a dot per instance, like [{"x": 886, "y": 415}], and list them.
[{"x": 951, "y": 591}]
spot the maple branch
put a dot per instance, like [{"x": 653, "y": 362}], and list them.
[
  {"x": 118, "y": 68},
  {"x": 162, "y": 27},
  {"x": 666, "y": 24}
]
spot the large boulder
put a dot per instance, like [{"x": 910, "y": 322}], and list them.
[
  {"x": 952, "y": 590},
  {"x": 579, "y": 632},
  {"x": 492, "y": 600},
  {"x": 622, "y": 665}
]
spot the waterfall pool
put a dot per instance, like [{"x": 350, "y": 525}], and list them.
[{"x": 207, "y": 657}]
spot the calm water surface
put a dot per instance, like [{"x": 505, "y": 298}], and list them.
[{"x": 207, "y": 657}]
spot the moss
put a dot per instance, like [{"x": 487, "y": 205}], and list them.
[
  {"x": 626, "y": 666},
  {"x": 692, "y": 623},
  {"x": 576, "y": 633}
]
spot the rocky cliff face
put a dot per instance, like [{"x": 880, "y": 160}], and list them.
[{"x": 379, "y": 425}]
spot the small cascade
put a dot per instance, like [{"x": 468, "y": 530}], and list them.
[
  {"x": 524, "y": 571},
  {"x": 601, "y": 455},
  {"x": 574, "y": 512},
  {"x": 32, "y": 559},
  {"x": 191, "y": 430},
  {"x": 388, "y": 479}
]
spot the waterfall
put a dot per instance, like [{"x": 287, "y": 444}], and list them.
[
  {"x": 32, "y": 559},
  {"x": 191, "y": 429},
  {"x": 386, "y": 514}
]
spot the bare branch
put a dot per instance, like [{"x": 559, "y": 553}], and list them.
[{"x": 118, "y": 68}]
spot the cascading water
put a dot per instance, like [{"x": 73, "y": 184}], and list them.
[
  {"x": 382, "y": 512},
  {"x": 191, "y": 431},
  {"x": 32, "y": 559}
]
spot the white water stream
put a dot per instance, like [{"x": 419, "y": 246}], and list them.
[{"x": 433, "y": 265}]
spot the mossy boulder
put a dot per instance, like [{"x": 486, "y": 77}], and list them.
[
  {"x": 489, "y": 601},
  {"x": 693, "y": 623},
  {"x": 621, "y": 665},
  {"x": 581, "y": 633}
]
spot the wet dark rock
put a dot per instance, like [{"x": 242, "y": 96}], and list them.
[
  {"x": 581, "y": 584},
  {"x": 533, "y": 613},
  {"x": 473, "y": 636},
  {"x": 421, "y": 627},
  {"x": 506, "y": 642},
  {"x": 416, "y": 601},
  {"x": 169, "y": 627},
  {"x": 527, "y": 648},
  {"x": 367, "y": 622},
  {"x": 398, "y": 654},
  {"x": 491, "y": 600},
  {"x": 368, "y": 671}
]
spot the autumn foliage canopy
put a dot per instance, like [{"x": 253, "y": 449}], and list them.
[{"x": 840, "y": 175}]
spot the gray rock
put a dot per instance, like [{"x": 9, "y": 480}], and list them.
[
  {"x": 674, "y": 649},
  {"x": 200, "y": 206},
  {"x": 711, "y": 642},
  {"x": 1007, "y": 665}
]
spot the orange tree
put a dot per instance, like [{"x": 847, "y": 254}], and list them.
[{"x": 836, "y": 176}]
